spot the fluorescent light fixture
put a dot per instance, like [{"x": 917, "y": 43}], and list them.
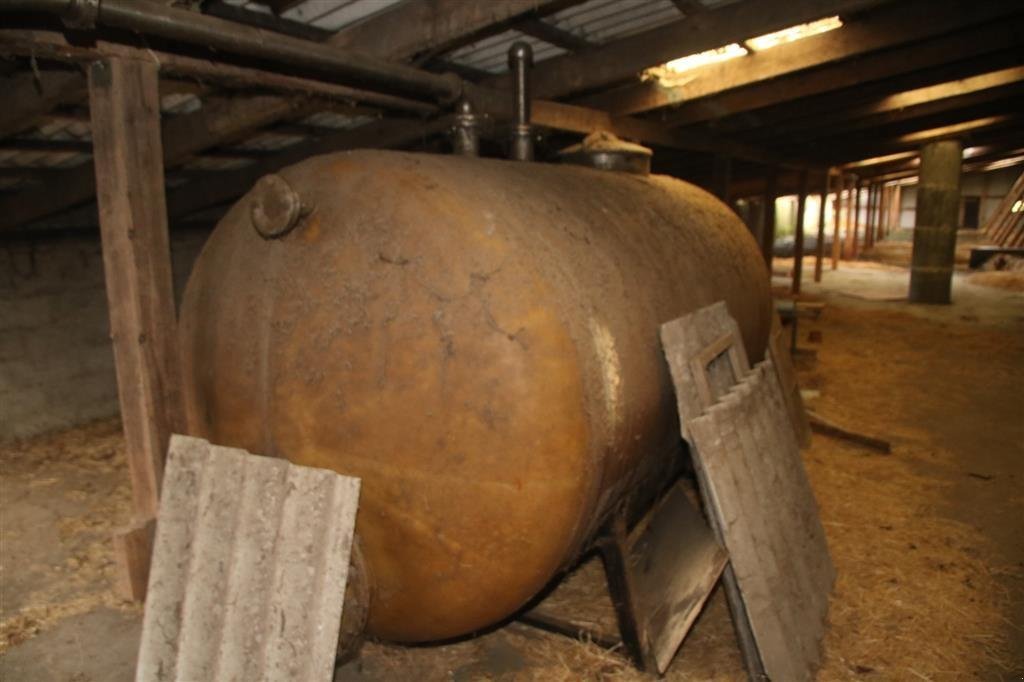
[
  {"x": 1018, "y": 206},
  {"x": 794, "y": 33}
]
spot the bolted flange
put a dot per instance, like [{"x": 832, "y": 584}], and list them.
[{"x": 276, "y": 208}]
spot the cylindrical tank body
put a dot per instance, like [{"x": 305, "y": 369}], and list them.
[{"x": 478, "y": 341}]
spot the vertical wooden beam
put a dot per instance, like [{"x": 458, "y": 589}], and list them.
[
  {"x": 768, "y": 226},
  {"x": 798, "y": 236},
  {"x": 721, "y": 176},
  {"x": 853, "y": 239},
  {"x": 869, "y": 227},
  {"x": 837, "y": 220},
  {"x": 881, "y": 211},
  {"x": 125, "y": 113},
  {"x": 819, "y": 247},
  {"x": 897, "y": 207}
]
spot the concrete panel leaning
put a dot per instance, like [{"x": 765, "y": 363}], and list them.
[{"x": 250, "y": 563}]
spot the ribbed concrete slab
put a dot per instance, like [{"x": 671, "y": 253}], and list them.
[{"x": 249, "y": 568}]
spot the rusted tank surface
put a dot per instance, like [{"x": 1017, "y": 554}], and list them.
[{"x": 476, "y": 339}]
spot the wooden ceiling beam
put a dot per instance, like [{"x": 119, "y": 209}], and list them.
[
  {"x": 550, "y": 33},
  {"x": 975, "y": 132},
  {"x": 30, "y": 96},
  {"x": 223, "y": 121},
  {"x": 826, "y": 104},
  {"x": 828, "y": 62},
  {"x": 626, "y": 58},
  {"x": 944, "y": 98},
  {"x": 437, "y": 26}
]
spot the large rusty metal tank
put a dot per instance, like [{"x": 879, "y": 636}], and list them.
[{"x": 476, "y": 339}]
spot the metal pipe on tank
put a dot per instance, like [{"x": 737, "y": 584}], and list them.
[
  {"x": 157, "y": 19},
  {"x": 466, "y": 130},
  {"x": 520, "y": 60}
]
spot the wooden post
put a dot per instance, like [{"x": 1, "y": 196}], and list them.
[
  {"x": 854, "y": 236},
  {"x": 872, "y": 197},
  {"x": 880, "y": 214},
  {"x": 851, "y": 215},
  {"x": 819, "y": 247},
  {"x": 897, "y": 208},
  {"x": 768, "y": 225},
  {"x": 124, "y": 109},
  {"x": 798, "y": 237},
  {"x": 721, "y": 177},
  {"x": 837, "y": 220}
]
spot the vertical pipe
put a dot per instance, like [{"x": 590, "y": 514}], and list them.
[
  {"x": 798, "y": 237},
  {"x": 819, "y": 247},
  {"x": 721, "y": 176},
  {"x": 520, "y": 60},
  {"x": 938, "y": 206},
  {"x": 466, "y": 131}
]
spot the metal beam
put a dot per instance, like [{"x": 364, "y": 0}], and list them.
[{"x": 720, "y": 90}]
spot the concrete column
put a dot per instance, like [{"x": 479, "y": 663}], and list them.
[{"x": 938, "y": 206}]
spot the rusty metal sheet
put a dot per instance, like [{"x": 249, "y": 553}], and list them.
[{"x": 249, "y": 568}]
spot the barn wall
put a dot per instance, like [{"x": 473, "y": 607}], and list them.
[
  {"x": 990, "y": 186},
  {"x": 56, "y": 361}
]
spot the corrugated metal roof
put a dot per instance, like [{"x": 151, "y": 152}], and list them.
[
  {"x": 491, "y": 54},
  {"x": 330, "y": 15},
  {"x": 602, "y": 20},
  {"x": 597, "y": 21}
]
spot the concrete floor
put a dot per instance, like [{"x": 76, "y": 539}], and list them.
[{"x": 944, "y": 383}]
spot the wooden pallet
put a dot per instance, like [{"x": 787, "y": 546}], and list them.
[{"x": 746, "y": 450}]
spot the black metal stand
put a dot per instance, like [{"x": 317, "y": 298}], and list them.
[{"x": 659, "y": 574}]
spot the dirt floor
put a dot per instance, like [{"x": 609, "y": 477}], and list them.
[{"x": 928, "y": 541}]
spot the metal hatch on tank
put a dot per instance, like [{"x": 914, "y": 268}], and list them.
[{"x": 476, "y": 339}]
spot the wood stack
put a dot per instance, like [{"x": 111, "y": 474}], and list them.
[{"x": 1006, "y": 227}]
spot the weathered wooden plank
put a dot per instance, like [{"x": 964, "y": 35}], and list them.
[
  {"x": 743, "y": 445},
  {"x": 685, "y": 339},
  {"x": 252, "y": 557},
  {"x": 756, "y": 491},
  {"x": 125, "y": 114}
]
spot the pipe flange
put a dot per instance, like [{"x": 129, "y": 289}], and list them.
[
  {"x": 276, "y": 208},
  {"x": 81, "y": 14}
]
